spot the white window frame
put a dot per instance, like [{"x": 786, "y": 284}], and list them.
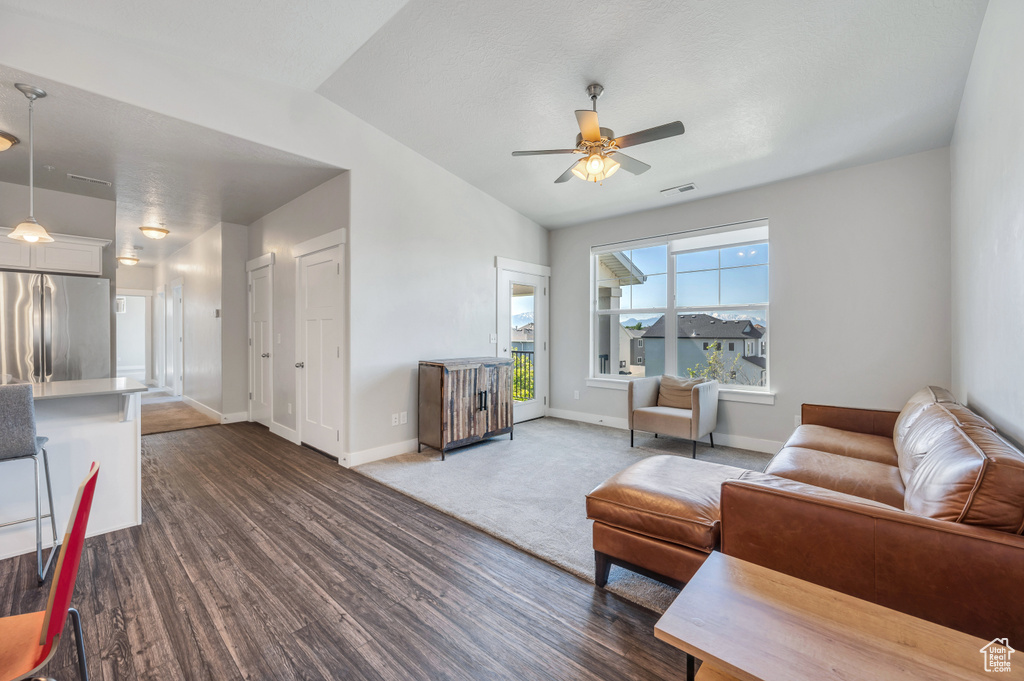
[{"x": 722, "y": 236}]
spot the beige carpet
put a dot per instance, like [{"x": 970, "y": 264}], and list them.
[
  {"x": 163, "y": 417},
  {"x": 531, "y": 491}
]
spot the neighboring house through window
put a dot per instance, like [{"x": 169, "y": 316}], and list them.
[{"x": 717, "y": 294}]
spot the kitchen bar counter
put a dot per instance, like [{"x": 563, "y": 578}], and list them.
[{"x": 85, "y": 421}]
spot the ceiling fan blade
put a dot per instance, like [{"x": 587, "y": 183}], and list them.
[
  {"x": 629, "y": 163},
  {"x": 543, "y": 152},
  {"x": 564, "y": 177},
  {"x": 650, "y": 135},
  {"x": 588, "y": 125}
]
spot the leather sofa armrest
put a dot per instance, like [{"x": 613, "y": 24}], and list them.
[
  {"x": 963, "y": 577},
  {"x": 704, "y": 416},
  {"x": 867, "y": 421},
  {"x": 641, "y": 393}
]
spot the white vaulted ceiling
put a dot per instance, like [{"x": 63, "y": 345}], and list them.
[
  {"x": 767, "y": 90},
  {"x": 286, "y": 41}
]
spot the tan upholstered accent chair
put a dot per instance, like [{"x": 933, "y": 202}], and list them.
[{"x": 690, "y": 424}]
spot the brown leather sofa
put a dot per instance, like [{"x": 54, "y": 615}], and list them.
[{"x": 920, "y": 510}]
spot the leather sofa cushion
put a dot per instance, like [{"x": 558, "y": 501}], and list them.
[
  {"x": 664, "y": 420},
  {"x": 970, "y": 475},
  {"x": 926, "y": 427},
  {"x": 846, "y": 443},
  {"x": 676, "y": 392},
  {"x": 866, "y": 479},
  {"x": 665, "y": 497},
  {"x": 923, "y": 398}
]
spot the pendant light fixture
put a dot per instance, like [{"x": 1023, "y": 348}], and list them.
[
  {"x": 30, "y": 230},
  {"x": 130, "y": 256}
]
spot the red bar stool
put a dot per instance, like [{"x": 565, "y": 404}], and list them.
[{"x": 27, "y": 642}]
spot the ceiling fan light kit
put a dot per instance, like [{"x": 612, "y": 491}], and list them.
[
  {"x": 30, "y": 230},
  {"x": 601, "y": 148}
]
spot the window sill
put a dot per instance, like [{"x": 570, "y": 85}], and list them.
[{"x": 724, "y": 394}]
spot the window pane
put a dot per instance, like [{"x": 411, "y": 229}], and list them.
[
  {"x": 756, "y": 254},
  {"x": 618, "y": 270},
  {"x": 745, "y": 364},
  {"x": 623, "y": 348},
  {"x": 653, "y": 292},
  {"x": 651, "y": 260},
  {"x": 745, "y": 285},
  {"x": 697, "y": 288},
  {"x": 698, "y": 260}
]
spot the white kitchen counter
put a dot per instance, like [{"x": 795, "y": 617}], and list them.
[{"x": 85, "y": 421}]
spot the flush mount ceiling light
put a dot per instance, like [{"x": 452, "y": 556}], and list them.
[
  {"x": 7, "y": 140},
  {"x": 154, "y": 232},
  {"x": 600, "y": 147},
  {"x": 130, "y": 257},
  {"x": 30, "y": 230}
]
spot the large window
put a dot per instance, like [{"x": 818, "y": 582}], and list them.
[{"x": 717, "y": 297}]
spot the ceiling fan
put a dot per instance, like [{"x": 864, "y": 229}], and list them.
[{"x": 600, "y": 147}]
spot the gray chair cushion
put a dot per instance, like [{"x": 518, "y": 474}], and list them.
[{"x": 17, "y": 421}]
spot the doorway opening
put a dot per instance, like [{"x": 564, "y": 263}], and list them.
[{"x": 133, "y": 317}]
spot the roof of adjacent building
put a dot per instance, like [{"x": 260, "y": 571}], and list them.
[
  {"x": 705, "y": 326},
  {"x": 634, "y": 333},
  {"x": 757, "y": 361}
]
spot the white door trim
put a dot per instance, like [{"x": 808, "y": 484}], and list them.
[
  {"x": 178, "y": 345},
  {"x": 259, "y": 263},
  {"x": 521, "y": 266},
  {"x": 315, "y": 245},
  {"x": 542, "y": 319},
  {"x": 150, "y": 336},
  {"x": 319, "y": 243}
]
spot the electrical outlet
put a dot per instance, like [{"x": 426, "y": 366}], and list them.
[
  {"x": 494, "y": 338},
  {"x": 394, "y": 419},
  {"x": 278, "y": 339},
  {"x": 796, "y": 420},
  {"x": 289, "y": 407},
  {"x": 575, "y": 394},
  {"x": 403, "y": 418}
]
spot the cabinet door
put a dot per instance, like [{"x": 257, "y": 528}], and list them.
[
  {"x": 461, "y": 400},
  {"x": 15, "y": 255},
  {"x": 68, "y": 257},
  {"x": 495, "y": 381}
]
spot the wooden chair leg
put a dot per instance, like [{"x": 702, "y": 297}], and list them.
[{"x": 602, "y": 566}]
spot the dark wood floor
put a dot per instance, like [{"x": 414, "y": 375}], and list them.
[{"x": 257, "y": 559}]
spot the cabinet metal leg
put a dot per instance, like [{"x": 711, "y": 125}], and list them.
[
  {"x": 630, "y": 438},
  {"x": 712, "y": 436},
  {"x": 690, "y": 667}
]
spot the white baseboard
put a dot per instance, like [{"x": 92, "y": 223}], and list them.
[
  {"x": 287, "y": 433},
  {"x": 596, "y": 419},
  {"x": 727, "y": 439},
  {"x": 237, "y": 417},
  {"x": 378, "y": 453},
  {"x": 202, "y": 408}
]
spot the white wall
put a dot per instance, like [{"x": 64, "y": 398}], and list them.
[
  {"x": 135, "y": 277},
  {"x": 318, "y": 211},
  {"x": 199, "y": 265},
  {"x": 859, "y": 290},
  {"x": 988, "y": 225},
  {"x": 63, "y": 213},
  {"x": 234, "y": 320}
]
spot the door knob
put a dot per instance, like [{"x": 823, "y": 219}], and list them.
[{"x": 300, "y": 365}]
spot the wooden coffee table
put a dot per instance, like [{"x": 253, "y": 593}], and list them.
[{"x": 754, "y": 624}]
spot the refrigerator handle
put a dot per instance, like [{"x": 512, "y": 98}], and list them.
[{"x": 47, "y": 368}]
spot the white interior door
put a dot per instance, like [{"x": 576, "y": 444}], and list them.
[
  {"x": 160, "y": 339},
  {"x": 178, "y": 338},
  {"x": 261, "y": 368},
  {"x": 318, "y": 351},
  {"x": 523, "y": 336}
]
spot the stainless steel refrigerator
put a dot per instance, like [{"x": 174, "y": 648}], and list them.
[{"x": 53, "y": 328}]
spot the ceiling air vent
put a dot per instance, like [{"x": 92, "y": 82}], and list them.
[
  {"x": 90, "y": 180},
  {"x": 679, "y": 190}
]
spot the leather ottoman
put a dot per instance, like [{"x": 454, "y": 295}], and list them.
[{"x": 662, "y": 513}]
